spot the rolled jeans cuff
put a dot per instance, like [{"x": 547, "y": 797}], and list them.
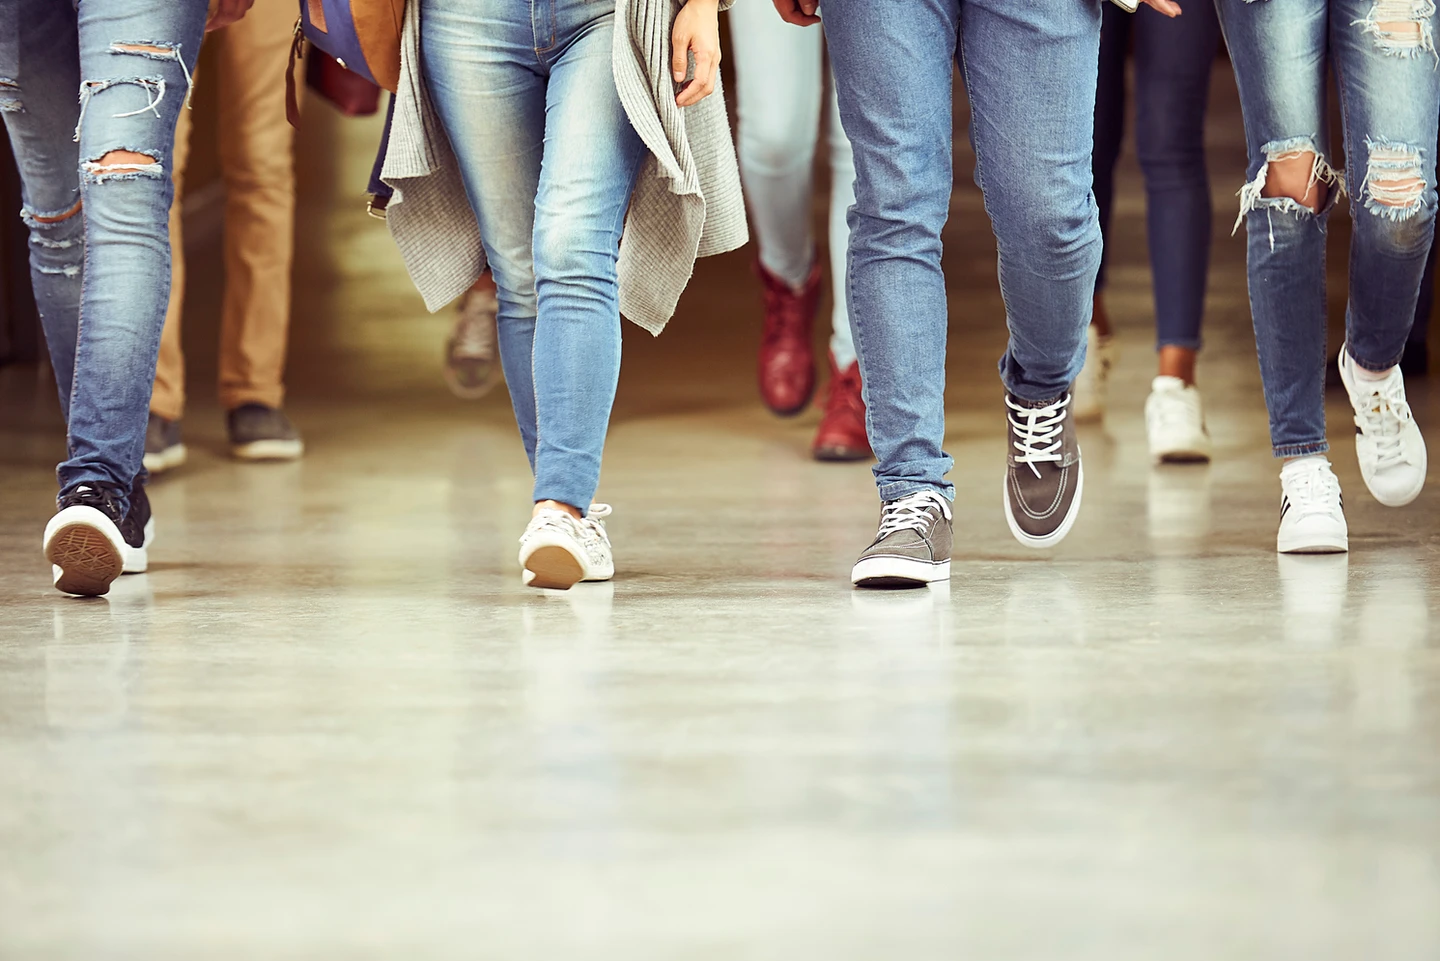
[
  {"x": 894, "y": 490},
  {"x": 1302, "y": 450}
]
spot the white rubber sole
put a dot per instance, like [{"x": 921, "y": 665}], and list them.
[
  {"x": 1197, "y": 452},
  {"x": 1049, "y": 540},
  {"x": 1313, "y": 545},
  {"x": 262, "y": 450},
  {"x": 168, "y": 459},
  {"x": 85, "y": 551},
  {"x": 886, "y": 571}
]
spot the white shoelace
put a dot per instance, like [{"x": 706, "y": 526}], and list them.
[
  {"x": 1178, "y": 409},
  {"x": 1314, "y": 490},
  {"x": 911, "y": 513},
  {"x": 1383, "y": 419},
  {"x": 1039, "y": 432}
]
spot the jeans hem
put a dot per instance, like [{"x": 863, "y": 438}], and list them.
[
  {"x": 1374, "y": 368},
  {"x": 564, "y": 497},
  {"x": 1302, "y": 450},
  {"x": 1194, "y": 345},
  {"x": 894, "y": 490}
]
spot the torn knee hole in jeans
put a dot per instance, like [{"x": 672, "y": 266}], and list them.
[
  {"x": 10, "y": 97},
  {"x": 122, "y": 165},
  {"x": 1394, "y": 179},
  {"x": 1401, "y": 28},
  {"x": 1253, "y": 196},
  {"x": 158, "y": 51},
  {"x": 39, "y": 220}
]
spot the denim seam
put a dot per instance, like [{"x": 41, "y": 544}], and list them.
[{"x": 1301, "y": 450}]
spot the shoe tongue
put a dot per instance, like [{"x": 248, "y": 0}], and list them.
[{"x": 1165, "y": 384}]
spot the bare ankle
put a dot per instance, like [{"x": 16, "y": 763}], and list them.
[
  {"x": 1178, "y": 362},
  {"x": 574, "y": 512}
]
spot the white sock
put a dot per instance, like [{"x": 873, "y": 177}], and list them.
[{"x": 1361, "y": 373}]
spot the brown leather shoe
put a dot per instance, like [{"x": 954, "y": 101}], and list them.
[
  {"x": 842, "y": 430},
  {"x": 787, "y": 359}
]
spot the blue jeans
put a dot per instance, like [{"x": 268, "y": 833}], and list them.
[
  {"x": 1390, "y": 102},
  {"x": 1173, "y": 61},
  {"x": 780, "y": 82},
  {"x": 1030, "y": 74},
  {"x": 75, "y": 86},
  {"x": 526, "y": 94}
]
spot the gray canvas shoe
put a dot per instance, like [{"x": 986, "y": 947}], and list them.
[
  {"x": 912, "y": 547},
  {"x": 1043, "y": 477},
  {"x": 258, "y": 432},
  {"x": 164, "y": 448}
]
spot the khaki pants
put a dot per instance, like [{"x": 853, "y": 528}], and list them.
[{"x": 258, "y": 168}]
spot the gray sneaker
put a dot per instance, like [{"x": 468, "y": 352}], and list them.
[
  {"x": 912, "y": 547},
  {"x": 1043, "y": 477},
  {"x": 164, "y": 450},
  {"x": 258, "y": 432}
]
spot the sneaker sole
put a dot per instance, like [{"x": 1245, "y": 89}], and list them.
[
  {"x": 263, "y": 450},
  {"x": 168, "y": 459},
  {"x": 1182, "y": 455},
  {"x": 1314, "y": 545},
  {"x": 553, "y": 567},
  {"x": 85, "y": 558},
  {"x": 898, "y": 572},
  {"x": 1056, "y": 536}
]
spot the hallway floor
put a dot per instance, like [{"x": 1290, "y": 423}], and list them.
[{"x": 331, "y": 723}]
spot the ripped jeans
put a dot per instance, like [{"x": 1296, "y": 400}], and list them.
[
  {"x": 90, "y": 95},
  {"x": 1388, "y": 75}
]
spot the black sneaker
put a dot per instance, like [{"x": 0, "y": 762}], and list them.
[
  {"x": 83, "y": 542},
  {"x": 1043, "y": 477},
  {"x": 912, "y": 547},
  {"x": 138, "y": 530},
  {"x": 258, "y": 432},
  {"x": 164, "y": 450}
]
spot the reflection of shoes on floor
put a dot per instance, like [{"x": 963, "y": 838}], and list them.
[
  {"x": 1092, "y": 387},
  {"x": 1312, "y": 513},
  {"x": 1042, "y": 609},
  {"x": 1175, "y": 422},
  {"x": 1312, "y": 595},
  {"x": 909, "y": 615},
  {"x": 1178, "y": 503},
  {"x": 259, "y": 433},
  {"x": 164, "y": 449}
]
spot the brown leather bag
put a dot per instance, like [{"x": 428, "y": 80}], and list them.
[{"x": 363, "y": 36}]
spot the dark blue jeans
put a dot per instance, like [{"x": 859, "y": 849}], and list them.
[{"x": 1173, "y": 60}]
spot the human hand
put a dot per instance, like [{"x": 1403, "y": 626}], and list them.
[
  {"x": 227, "y": 12},
  {"x": 697, "y": 32},
  {"x": 1168, "y": 7},
  {"x": 799, "y": 12}
]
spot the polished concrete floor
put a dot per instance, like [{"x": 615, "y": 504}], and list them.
[{"x": 331, "y": 723}]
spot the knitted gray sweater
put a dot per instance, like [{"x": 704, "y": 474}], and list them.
[{"x": 687, "y": 201}]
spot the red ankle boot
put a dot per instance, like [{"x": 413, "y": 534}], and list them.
[
  {"x": 787, "y": 359},
  {"x": 842, "y": 430}
]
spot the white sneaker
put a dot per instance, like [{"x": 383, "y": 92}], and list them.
[
  {"x": 1388, "y": 442},
  {"x": 1088, "y": 396},
  {"x": 558, "y": 551},
  {"x": 1175, "y": 423},
  {"x": 1312, "y": 513}
]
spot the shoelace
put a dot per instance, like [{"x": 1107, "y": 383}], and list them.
[
  {"x": 787, "y": 309},
  {"x": 1038, "y": 432},
  {"x": 845, "y": 394},
  {"x": 911, "y": 513},
  {"x": 1179, "y": 409},
  {"x": 1383, "y": 420},
  {"x": 1312, "y": 491}
]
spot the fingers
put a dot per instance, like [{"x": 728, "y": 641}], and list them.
[
  {"x": 1168, "y": 7},
  {"x": 798, "y": 12},
  {"x": 707, "y": 68}
]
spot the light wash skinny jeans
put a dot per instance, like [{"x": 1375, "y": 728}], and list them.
[
  {"x": 1390, "y": 101},
  {"x": 780, "y": 81},
  {"x": 75, "y": 85},
  {"x": 526, "y": 94}
]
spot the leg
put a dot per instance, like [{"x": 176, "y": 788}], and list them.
[
  {"x": 778, "y": 86},
  {"x": 1173, "y": 61},
  {"x": 1109, "y": 128},
  {"x": 1390, "y": 92},
  {"x": 842, "y": 198},
  {"x": 39, "y": 76},
  {"x": 168, "y": 399},
  {"x": 1040, "y": 105},
  {"x": 1278, "y": 53},
  {"x": 136, "y": 58},
  {"x": 257, "y": 161},
  {"x": 894, "y": 83},
  {"x": 490, "y": 95},
  {"x": 592, "y": 157}
]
